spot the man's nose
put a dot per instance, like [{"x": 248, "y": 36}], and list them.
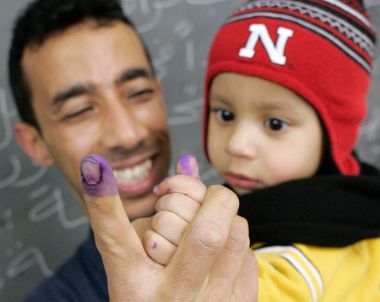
[
  {"x": 122, "y": 127},
  {"x": 243, "y": 141}
]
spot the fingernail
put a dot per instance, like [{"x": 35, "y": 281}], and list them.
[
  {"x": 188, "y": 165},
  {"x": 161, "y": 191},
  {"x": 155, "y": 189},
  {"x": 164, "y": 180},
  {"x": 97, "y": 176},
  {"x": 91, "y": 171}
]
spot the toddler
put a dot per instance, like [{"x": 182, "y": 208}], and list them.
[{"x": 285, "y": 94}]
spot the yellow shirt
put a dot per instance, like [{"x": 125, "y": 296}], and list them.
[{"x": 308, "y": 273}]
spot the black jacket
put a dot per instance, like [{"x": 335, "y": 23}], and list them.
[{"x": 333, "y": 210}]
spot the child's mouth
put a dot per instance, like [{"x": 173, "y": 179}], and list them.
[{"x": 242, "y": 182}]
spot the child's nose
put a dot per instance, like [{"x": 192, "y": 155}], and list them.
[{"x": 243, "y": 141}]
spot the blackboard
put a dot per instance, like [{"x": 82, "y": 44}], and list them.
[{"x": 40, "y": 222}]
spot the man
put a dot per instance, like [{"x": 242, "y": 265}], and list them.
[{"x": 83, "y": 83}]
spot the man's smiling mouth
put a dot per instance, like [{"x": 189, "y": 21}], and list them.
[{"x": 134, "y": 174}]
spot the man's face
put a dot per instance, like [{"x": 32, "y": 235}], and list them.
[
  {"x": 260, "y": 133},
  {"x": 93, "y": 91}
]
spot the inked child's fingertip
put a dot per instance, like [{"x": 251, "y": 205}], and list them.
[{"x": 188, "y": 165}]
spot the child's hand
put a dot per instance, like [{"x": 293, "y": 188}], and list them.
[{"x": 180, "y": 198}]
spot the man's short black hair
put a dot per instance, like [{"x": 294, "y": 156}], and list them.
[{"x": 40, "y": 20}]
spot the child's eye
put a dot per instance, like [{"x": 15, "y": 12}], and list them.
[
  {"x": 276, "y": 124},
  {"x": 223, "y": 115}
]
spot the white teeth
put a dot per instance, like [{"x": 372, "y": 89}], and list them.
[{"x": 131, "y": 175}]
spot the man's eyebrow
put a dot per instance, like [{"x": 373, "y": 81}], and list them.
[
  {"x": 132, "y": 74},
  {"x": 71, "y": 92}
]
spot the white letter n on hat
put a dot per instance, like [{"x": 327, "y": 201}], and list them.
[{"x": 275, "y": 52}]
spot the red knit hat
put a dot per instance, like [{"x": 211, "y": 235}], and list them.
[{"x": 320, "y": 49}]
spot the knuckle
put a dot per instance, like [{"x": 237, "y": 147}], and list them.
[
  {"x": 208, "y": 237},
  {"x": 242, "y": 225},
  {"x": 168, "y": 202},
  {"x": 161, "y": 203},
  {"x": 150, "y": 241},
  {"x": 149, "y": 238},
  {"x": 171, "y": 201},
  {"x": 110, "y": 245},
  {"x": 157, "y": 248},
  {"x": 198, "y": 184},
  {"x": 237, "y": 242},
  {"x": 215, "y": 188},
  {"x": 238, "y": 238},
  {"x": 228, "y": 197},
  {"x": 161, "y": 219}
]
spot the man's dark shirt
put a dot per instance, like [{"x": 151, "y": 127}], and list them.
[{"x": 81, "y": 278}]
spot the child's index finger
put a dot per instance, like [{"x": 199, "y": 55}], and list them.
[
  {"x": 187, "y": 181},
  {"x": 188, "y": 165}
]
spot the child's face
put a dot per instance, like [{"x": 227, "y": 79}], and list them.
[{"x": 260, "y": 133}]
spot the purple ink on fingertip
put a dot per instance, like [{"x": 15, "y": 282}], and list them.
[
  {"x": 188, "y": 165},
  {"x": 91, "y": 171},
  {"x": 97, "y": 176}
]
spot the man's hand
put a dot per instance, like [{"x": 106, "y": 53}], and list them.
[
  {"x": 212, "y": 263},
  {"x": 180, "y": 197}
]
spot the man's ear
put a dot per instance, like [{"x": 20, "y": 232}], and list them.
[{"x": 30, "y": 140}]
